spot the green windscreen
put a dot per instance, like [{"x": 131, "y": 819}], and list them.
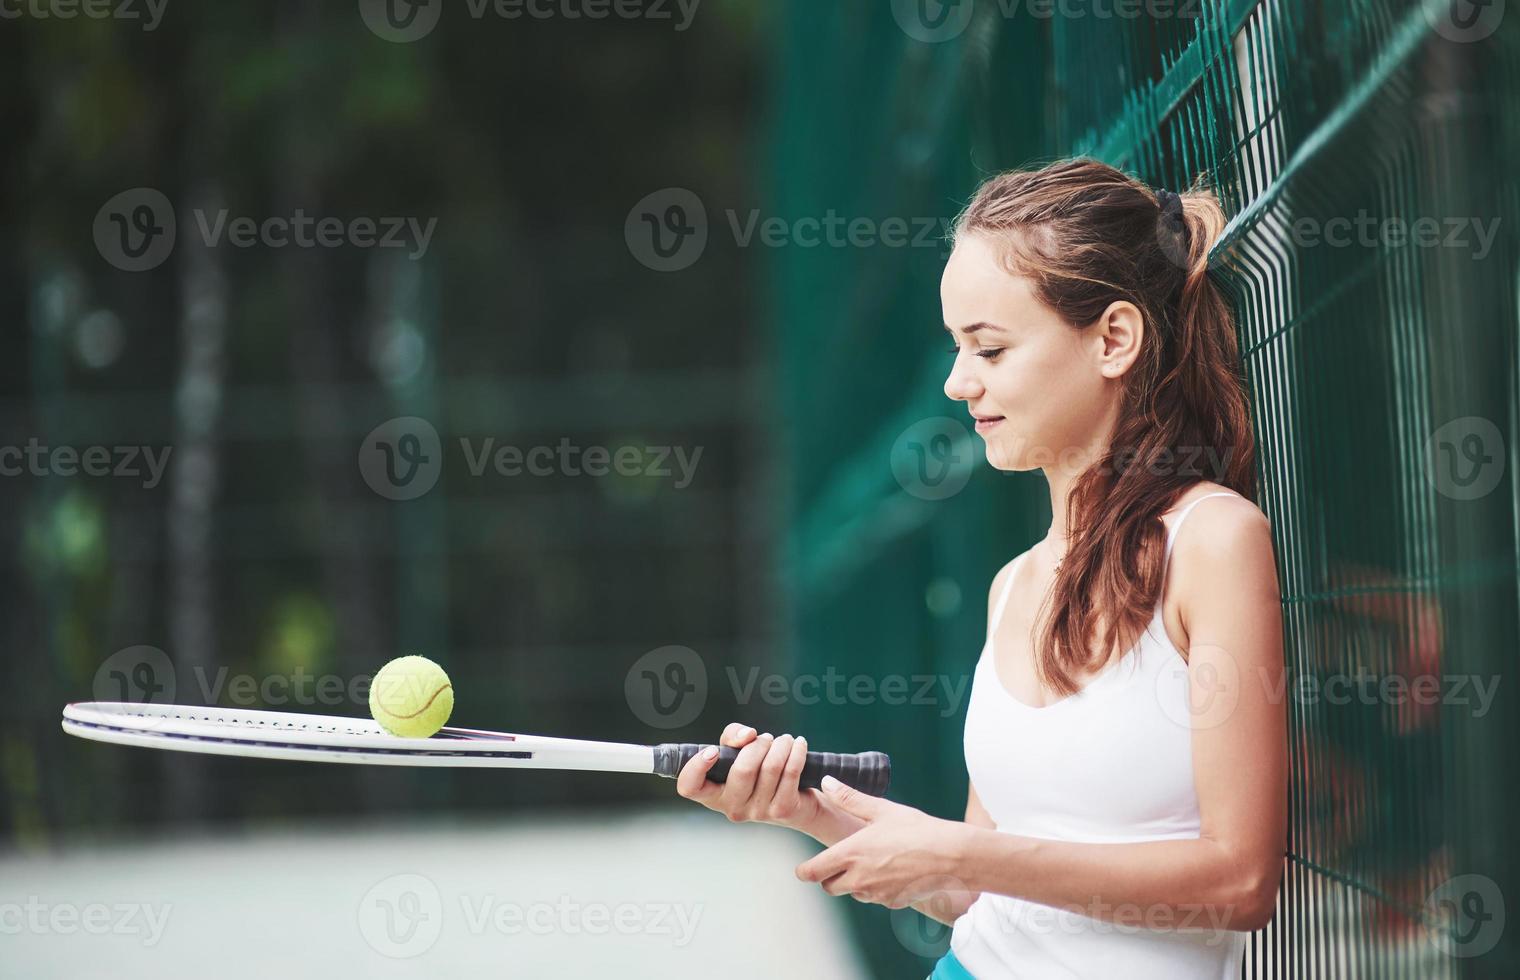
[{"x": 1365, "y": 153}]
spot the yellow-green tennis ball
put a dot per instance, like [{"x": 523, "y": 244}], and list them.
[{"x": 411, "y": 697}]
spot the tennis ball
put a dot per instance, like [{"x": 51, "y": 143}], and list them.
[{"x": 411, "y": 697}]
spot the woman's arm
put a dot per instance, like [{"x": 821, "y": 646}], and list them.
[
  {"x": 948, "y": 905},
  {"x": 1231, "y": 872},
  {"x": 1228, "y": 877}
]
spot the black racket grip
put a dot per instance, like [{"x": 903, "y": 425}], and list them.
[{"x": 869, "y": 772}]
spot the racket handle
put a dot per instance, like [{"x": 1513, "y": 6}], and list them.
[{"x": 869, "y": 772}]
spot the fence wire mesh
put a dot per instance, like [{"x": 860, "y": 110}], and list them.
[{"x": 1363, "y": 152}]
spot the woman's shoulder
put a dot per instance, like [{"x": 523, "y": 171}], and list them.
[
  {"x": 1240, "y": 507},
  {"x": 1225, "y": 543},
  {"x": 1001, "y": 578}
]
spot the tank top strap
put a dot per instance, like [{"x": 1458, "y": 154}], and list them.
[
  {"x": 997, "y": 610},
  {"x": 1172, "y": 535},
  {"x": 1002, "y": 601}
]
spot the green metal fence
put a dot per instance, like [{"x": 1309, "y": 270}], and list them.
[{"x": 1365, "y": 152}]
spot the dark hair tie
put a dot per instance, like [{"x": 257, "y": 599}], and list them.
[
  {"x": 1176, "y": 242},
  {"x": 1171, "y": 203}
]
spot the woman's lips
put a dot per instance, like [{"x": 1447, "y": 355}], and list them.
[{"x": 982, "y": 425}]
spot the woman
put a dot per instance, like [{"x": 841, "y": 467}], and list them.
[{"x": 1126, "y": 731}]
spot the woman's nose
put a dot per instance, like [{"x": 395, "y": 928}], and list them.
[{"x": 961, "y": 385}]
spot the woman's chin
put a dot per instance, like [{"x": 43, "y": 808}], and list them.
[{"x": 1000, "y": 459}]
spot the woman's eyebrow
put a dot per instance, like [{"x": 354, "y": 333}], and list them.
[{"x": 973, "y": 328}]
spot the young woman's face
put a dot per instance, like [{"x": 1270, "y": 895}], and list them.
[{"x": 1040, "y": 390}]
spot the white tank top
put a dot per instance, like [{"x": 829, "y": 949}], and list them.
[{"x": 1112, "y": 763}]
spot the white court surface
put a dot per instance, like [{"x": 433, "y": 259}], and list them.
[{"x": 632, "y": 894}]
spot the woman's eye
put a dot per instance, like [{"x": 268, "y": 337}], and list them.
[{"x": 990, "y": 353}]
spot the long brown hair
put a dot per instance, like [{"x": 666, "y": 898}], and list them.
[{"x": 1086, "y": 235}]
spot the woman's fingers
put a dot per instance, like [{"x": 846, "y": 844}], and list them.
[
  {"x": 762, "y": 780},
  {"x": 737, "y": 735},
  {"x": 788, "y": 797},
  {"x": 739, "y": 786},
  {"x": 769, "y": 779},
  {"x": 692, "y": 782}
]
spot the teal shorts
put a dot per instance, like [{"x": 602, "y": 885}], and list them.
[{"x": 949, "y": 968}]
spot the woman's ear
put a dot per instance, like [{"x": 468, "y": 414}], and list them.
[{"x": 1120, "y": 330}]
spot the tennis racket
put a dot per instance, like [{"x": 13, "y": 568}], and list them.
[{"x": 323, "y": 738}]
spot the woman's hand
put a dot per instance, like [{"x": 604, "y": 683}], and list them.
[
  {"x": 762, "y": 786},
  {"x": 899, "y": 857}
]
